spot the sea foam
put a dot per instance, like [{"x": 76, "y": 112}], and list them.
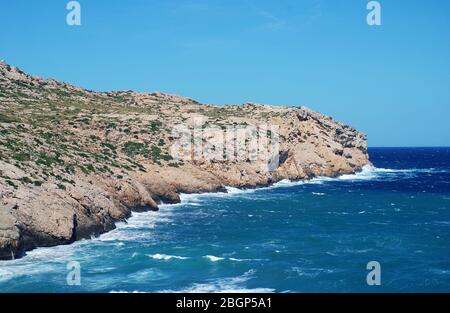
[
  {"x": 213, "y": 258},
  {"x": 166, "y": 257}
]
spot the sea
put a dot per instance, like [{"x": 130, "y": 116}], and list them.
[{"x": 384, "y": 229}]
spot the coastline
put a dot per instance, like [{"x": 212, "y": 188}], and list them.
[
  {"x": 225, "y": 191},
  {"x": 74, "y": 162}
]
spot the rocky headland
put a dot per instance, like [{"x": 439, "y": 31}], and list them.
[{"x": 73, "y": 161}]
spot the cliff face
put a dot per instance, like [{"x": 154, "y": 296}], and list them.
[{"x": 73, "y": 162}]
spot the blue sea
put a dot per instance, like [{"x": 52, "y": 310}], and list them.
[{"x": 315, "y": 236}]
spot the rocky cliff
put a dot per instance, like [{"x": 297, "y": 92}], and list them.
[{"x": 73, "y": 161}]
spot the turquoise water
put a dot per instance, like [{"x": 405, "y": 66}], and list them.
[{"x": 291, "y": 237}]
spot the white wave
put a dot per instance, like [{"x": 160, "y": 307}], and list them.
[
  {"x": 213, "y": 258},
  {"x": 430, "y": 170},
  {"x": 102, "y": 270},
  {"x": 57, "y": 255},
  {"x": 5, "y": 275},
  {"x": 141, "y": 276},
  {"x": 137, "y": 226},
  {"x": 368, "y": 172},
  {"x": 388, "y": 170},
  {"x": 290, "y": 183},
  {"x": 25, "y": 268},
  {"x": 238, "y": 260},
  {"x": 224, "y": 285},
  {"x": 311, "y": 272},
  {"x": 189, "y": 197},
  {"x": 285, "y": 183},
  {"x": 233, "y": 190},
  {"x": 166, "y": 257}
]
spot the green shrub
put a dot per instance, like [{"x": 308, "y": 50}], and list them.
[
  {"x": 109, "y": 146},
  {"x": 156, "y": 152},
  {"x": 48, "y": 160},
  {"x": 132, "y": 148},
  {"x": 9, "y": 182},
  {"x": 26, "y": 180},
  {"x": 7, "y": 119},
  {"x": 21, "y": 157},
  {"x": 155, "y": 125}
]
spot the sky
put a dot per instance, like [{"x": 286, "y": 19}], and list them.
[{"x": 390, "y": 81}]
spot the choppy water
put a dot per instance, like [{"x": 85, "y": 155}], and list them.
[{"x": 291, "y": 237}]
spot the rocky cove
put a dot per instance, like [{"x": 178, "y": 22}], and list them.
[{"x": 73, "y": 162}]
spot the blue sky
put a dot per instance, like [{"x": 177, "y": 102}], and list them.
[{"x": 390, "y": 81}]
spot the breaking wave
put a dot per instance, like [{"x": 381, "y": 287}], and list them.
[
  {"x": 213, "y": 258},
  {"x": 166, "y": 257}
]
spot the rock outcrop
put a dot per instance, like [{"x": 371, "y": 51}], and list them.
[{"x": 73, "y": 162}]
